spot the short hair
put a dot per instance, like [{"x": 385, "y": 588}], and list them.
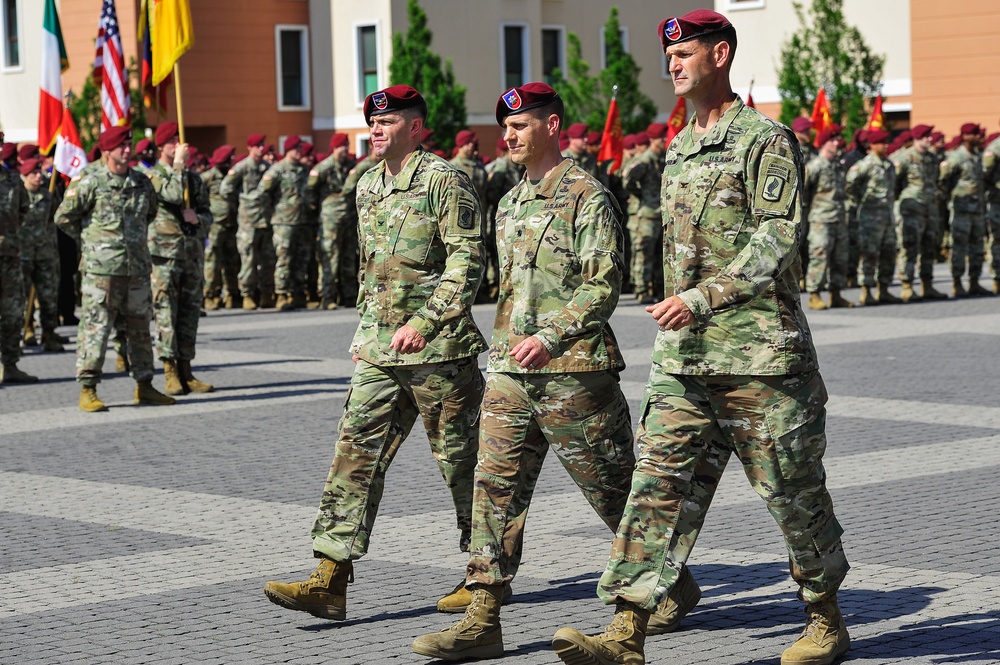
[
  {"x": 416, "y": 111},
  {"x": 727, "y": 34},
  {"x": 556, "y": 106}
]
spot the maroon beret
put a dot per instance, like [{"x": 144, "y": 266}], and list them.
[
  {"x": 801, "y": 124},
  {"x": 594, "y": 138},
  {"x": 465, "y": 137},
  {"x": 27, "y": 151},
  {"x": 292, "y": 142},
  {"x": 94, "y": 154},
  {"x": 921, "y": 131},
  {"x": 697, "y": 23},
  {"x": 905, "y": 136},
  {"x": 307, "y": 148},
  {"x": 642, "y": 138},
  {"x": 827, "y": 135},
  {"x": 878, "y": 136},
  {"x": 970, "y": 128},
  {"x": 563, "y": 144},
  {"x": 29, "y": 165},
  {"x": 524, "y": 98},
  {"x": 269, "y": 148},
  {"x": 937, "y": 136},
  {"x": 165, "y": 132},
  {"x": 577, "y": 130},
  {"x": 320, "y": 156},
  {"x": 9, "y": 150},
  {"x": 628, "y": 142},
  {"x": 656, "y": 130},
  {"x": 256, "y": 141},
  {"x": 502, "y": 145},
  {"x": 394, "y": 98},
  {"x": 425, "y": 134},
  {"x": 836, "y": 128},
  {"x": 143, "y": 145},
  {"x": 114, "y": 137},
  {"x": 338, "y": 140},
  {"x": 222, "y": 154}
]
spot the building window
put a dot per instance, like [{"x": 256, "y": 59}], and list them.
[
  {"x": 367, "y": 42},
  {"x": 552, "y": 53},
  {"x": 623, "y": 33},
  {"x": 743, "y": 4},
  {"x": 515, "y": 55},
  {"x": 11, "y": 34},
  {"x": 292, "y": 52}
]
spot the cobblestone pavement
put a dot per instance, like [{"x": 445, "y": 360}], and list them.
[{"x": 145, "y": 535}]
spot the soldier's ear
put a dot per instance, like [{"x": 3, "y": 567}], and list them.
[
  {"x": 553, "y": 124},
  {"x": 723, "y": 54}
]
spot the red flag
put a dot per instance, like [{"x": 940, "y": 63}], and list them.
[
  {"x": 109, "y": 69},
  {"x": 70, "y": 157},
  {"x": 877, "y": 120},
  {"x": 821, "y": 120},
  {"x": 611, "y": 140},
  {"x": 750, "y": 100},
  {"x": 677, "y": 120}
]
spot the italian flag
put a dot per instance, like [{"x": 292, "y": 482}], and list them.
[
  {"x": 70, "y": 156},
  {"x": 54, "y": 62}
]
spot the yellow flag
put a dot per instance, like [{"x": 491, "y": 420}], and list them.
[{"x": 171, "y": 34}]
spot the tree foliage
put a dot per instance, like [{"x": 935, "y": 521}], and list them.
[
  {"x": 826, "y": 51},
  {"x": 414, "y": 64},
  {"x": 587, "y": 97},
  {"x": 86, "y": 108}
]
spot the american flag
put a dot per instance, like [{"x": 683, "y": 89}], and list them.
[{"x": 109, "y": 70}]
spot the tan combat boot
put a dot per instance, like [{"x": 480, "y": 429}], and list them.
[
  {"x": 684, "y": 595},
  {"x": 976, "y": 290},
  {"x": 815, "y": 301},
  {"x": 323, "y": 595},
  {"x": 477, "y": 635},
  {"x": 193, "y": 384},
  {"x": 89, "y": 401},
  {"x": 996, "y": 286},
  {"x": 284, "y": 303},
  {"x": 908, "y": 294},
  {"x": 837, "y": 301},
  {"x": 957, "y": 290},
  {"x": 228, "y": 302},
  {"x": 460, "y": 597},
  {"x": 173, "y": 383},
  {"x": 145, "y": 393},
  {"x": 886, "y": 298},
  {"x": 249, "y": 304},
  {"x": 212, "y": 304},
  {"x": 121, "y": 363},
  {"x": 621, "y": 643},
  {"x": 50, "y": 342},
  {"x": 867, "y": 299},
  {"x": 824, "y": 639},
  {"x": 930, "y": 293},
  {"x": 11, "y": 374}
]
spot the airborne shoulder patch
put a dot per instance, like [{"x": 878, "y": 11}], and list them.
[{"x": 777, "y": 182}]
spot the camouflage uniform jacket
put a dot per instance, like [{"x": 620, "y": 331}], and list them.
[
  {"x": 350, "y": 190},
  {"x": 871, "y": 186},
  {"x": 477, "y": 174},
  {"x": 223, "y": 208},
  {"x": 808, "y": 150},
  {"x": 325, "y": 189},
  {"x": 643, "y": 182},
  {"x": 503, "y": 175},
  {"x": 170, "y": 235},
  {"x": 283, "y": 189},
  {"x": 421, "y": 256},
  {"x": 13, "y": 207},
  {"x": 560, "y": 248},
  {"x": 961, "y": 180},
  {"x": 108, "y": 215},
  {"x": 991, "y": 172},
  {"x": 585, "y": 161},
  {"x": 731, "y": 230},
  {"x": 916, "y": 176},
  {"x": 39, "y": 241},
  {"x": 240, "y": 183},
  {"x": 823, "y": 191}
]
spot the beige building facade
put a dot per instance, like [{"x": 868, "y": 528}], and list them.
[{"x": 20, "y": 68}]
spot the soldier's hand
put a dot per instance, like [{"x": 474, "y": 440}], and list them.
[
  {"x": 181, "y": 155},
  {"x": 355, "y": 358},
  {"x": 530, "y": 353},
  {"x": 671, "y": 314},
  {"x": 408, "y": 340},
  {"x": 189, "y": 216}
]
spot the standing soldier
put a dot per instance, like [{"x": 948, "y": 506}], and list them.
[
  {"x": 415, "y": 350},
  {"x": 283, "y": 189},
  {"x": 222, "y": 259},
  {"x": 944, "y": 225},
  {"x": 253, "y": 235},
  {"x": 336, "y": 217},
  {"x": 917, "y": 210},
  {"x": 107, "y": 210},
  {"x": 349, "y": 256},
  {"x": 642, "y": 180},
  {"x": 870, "y": 187},
  {"x": 177, "y": 246},
  {"x": 468, "y": 162},
  {"x": 734, "y": 367},
  {"x": 502, "y": 174},
  {"x": 803, "y": 134},
  {"x": 961, "y": 180},
  {"x": 40, "y": 251},
  {"x": 991, "y": 175},
  {"x": 577, "y": 149},
  {"x": 823, "y": 203}
]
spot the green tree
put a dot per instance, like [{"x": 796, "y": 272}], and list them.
[
  {"x": 826, "y": 51},
  {"x": 414, "y": 64},
  {"x": 587, "y": 97},
  {"x": 86, "y": 108}
]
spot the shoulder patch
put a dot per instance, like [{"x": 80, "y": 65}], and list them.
[
  {"x": 314, "y": 172},
  {"x": 776, "y": 184}
]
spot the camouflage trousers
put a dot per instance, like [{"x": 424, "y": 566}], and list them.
[
  {"x": 177, "y": 292},
  {"x": 338, "y": 260},
  {"x": 853, "y": 247},
  {"x": 827, "y": 256},
  {"x": 11, "y": 309},
  {"x": 918, "y": 237},
  {"x": 382, "y": 405},
  {"x": 43, "y": 274},
  {"x": 222, "y": 262},
  {"x": 256, "y": 260},
  {"x": 646, "y": 234},
  {"x": 968, "y": 231},
  {"x": 993, "y": 222},
  {"x": 877, "y": 247},
  {"x": 584, "y": 417},
  {"x": 110, "y": 301},
  {"x": 291, "y": 248}
]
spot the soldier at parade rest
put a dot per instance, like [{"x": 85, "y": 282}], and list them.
[
  {"x": 222, "y": 258},
  {"x": 40, "y": 251},
  {"x": 961, "y": 181},
  {"x": 337, "y": 216}
]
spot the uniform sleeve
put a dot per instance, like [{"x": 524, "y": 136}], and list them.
[
  {"x": 75, "y": 206},
  {"x": 809, "y": 185},
  {"x": 230, "y": 187},
  {"x": 169, "y": 185},
  {"x": 776, "y": 203},
  {"x": 633, "y": 178},
  {"x": 201, "y": 202}
]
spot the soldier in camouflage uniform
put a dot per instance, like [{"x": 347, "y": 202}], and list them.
[
  {"x": 502, "y": 175},
  {"x": 642, "y": 181},
  {"x": 734, "y": 369},
  {"x": 823, "y": 201},
  {"x": 871, "y": 184},
  {"x": 283, "y": 190},
  {"x": 107, "y": 210},
  {"x": 415, "y": 349},
  {"x": 222, "y": 258},
  {"x": 577, "y": 149},
  {"x": 961, "y": 181},
  {"x": 467, "y": 160},
  {"x": 40, "y": 252},
  {"x": 253, "y": 235},
  {"x": 337, "y": 218},
  {"x": 917, "y": 210},
  {"x": 991, "y": 180},
  {"x": 177, "y": 245},
  {"x": 349, "y": 256}
]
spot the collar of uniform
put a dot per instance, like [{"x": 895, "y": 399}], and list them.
[
  {"x": 549, "y": 185},
  {"x": 404, "y": 178},
  {"x": 715, "y": 135}
]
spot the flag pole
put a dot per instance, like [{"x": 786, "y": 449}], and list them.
[{"x": 177, "y": 97}]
